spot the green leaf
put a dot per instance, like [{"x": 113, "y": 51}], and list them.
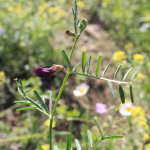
[
  {"x": 121, "y": 92},
  {"x": 77, "y": 144},
  {"x": 117, "y": 70},
  {"x": 111, "y": 88},
  {"x": 112, "y": 137},
  {"x": 68, "y": 142},
  {"x": 88, "y": 66},
  {"x": 28, "y": 90},
  {"x": 39, "y": 147},
  {"x": 34, "y": 103},
  {"x": 135, "y": 72},
  {"x": 83, "y": 61},
  {"x": 76, "y": 66},
  {"x": 90, "y": 138},
  {"x": 98, "y": 126},
  {"x": 41, "y": 101},
  {"x": 131, "y": 93},
  {"x": 105, "y": 70},
  {"x": 98, "y": 65},
  {"x": 26, "y": 108},
  {"x": 127, "y": 73},
  {"x": 23, "y": 102},
  {"x": 66, "y": 60}
]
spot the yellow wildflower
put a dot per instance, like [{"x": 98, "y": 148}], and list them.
[
  {"x": 10, "y": 8},
  {"x": 45, "y": 147},
  {"x": 2, "y": 77},
  {"x": 41, "y": 9},
  {"x": 80, "y": 4},
  {"x": 47, "y": 123},
  {"x": 141, "y": 75},
  {"x": 147, "y": 18},
  {"x": 146, "y": 127},
  {"x": 61, "y": 13},
  {"x": 136, "y": 111},
  {"x": 45, "y": 5},
  {"x": 53, "y": 9},
  {"x": 128, "y": 46},
  {"x": 147, "y": 146},
  {"x": 145, "y": 136},
  {"x": 119, "y": 56},
  {"x": 18, "y": 10},
  {"x": 138, "y": 58}
]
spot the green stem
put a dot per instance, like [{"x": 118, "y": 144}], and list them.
[
  {"x": 50, "y": 134},
  {"x": 59, "y": 94},
  {"x": 74, "y": 46},
  {"x": 100, "y": 78},
  {"x": 104, "y": 133}
]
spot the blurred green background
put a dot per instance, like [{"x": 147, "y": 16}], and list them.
[{"x": 32, "y": 34}]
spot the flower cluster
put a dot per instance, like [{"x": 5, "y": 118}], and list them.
[
  {"x": 138, "y": 58},
  {"x": 119, "y": 56}
]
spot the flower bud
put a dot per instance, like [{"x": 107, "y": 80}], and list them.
[
  {"x": 47, "y": 72},
  {"x": 82, "y": 24},
  {"x": 70, "y": 33}
]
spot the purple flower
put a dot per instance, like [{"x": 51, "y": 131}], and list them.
[
  {"x": 1, "y": 31},
  {"x": 101, "y": 108},
  {"x": 47, "y": 72},
  {"x": 67, "y": 124}
]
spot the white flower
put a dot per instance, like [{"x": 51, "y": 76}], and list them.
[
  {"x": 126, "y": 109},
  {"x": 144, "y": 27},
  {"x": 81, "y": 89}
]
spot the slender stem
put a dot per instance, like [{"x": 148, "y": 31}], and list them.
[
  {"x": 74, "y": 46},
  {"x": 59, "y": 94},
  {"x": 50, "y": 134},
  {"x": 97, "y": 143},
  {"x": 104, "y": 133},
  {"x": 100, "y": 78}
]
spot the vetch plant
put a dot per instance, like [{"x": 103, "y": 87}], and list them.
[{"x": 40, "y": 105}]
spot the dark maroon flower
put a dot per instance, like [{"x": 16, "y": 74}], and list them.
[
  {"x": 47, "y": 72},
  {"x": 70, "y": 33}
]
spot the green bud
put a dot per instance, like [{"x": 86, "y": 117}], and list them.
[{"x": 83, "y": 24}]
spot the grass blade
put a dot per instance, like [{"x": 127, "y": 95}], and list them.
[
  {"x": 27, "y": 108},
  {"x": 76, "y": 66},
  {"x": 23, "y": 102},
  {"x": 105, "y": 70},
  {"x": 77, "y": 144},
  {"x": 41, "y": 101},
  {"x": 98, "y": 65},
  {"x": 66, "y": 60},
  {"x": 39, "y": 147},
  {"x": 90, "y": 138},
  {"x": 127, "y": 73},
  {"x": 98, "y": 126},
  {"x": 88, "y": 66},
  {"x": 50, "y": 103},
  {"x": 117, "y": 70},
  {"x": 68, "y": 142},
  {"x": 111, "y": 88},
  {"x": 121, "y": 92},
  {"x": 83, "y": 61},
  {"x": 135, "y": 72},
  {"x": 131, "y": 93},
  {"x": 112, "y": 137}
]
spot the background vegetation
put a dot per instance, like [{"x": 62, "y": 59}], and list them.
[{"x": 32, "y": 33}]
